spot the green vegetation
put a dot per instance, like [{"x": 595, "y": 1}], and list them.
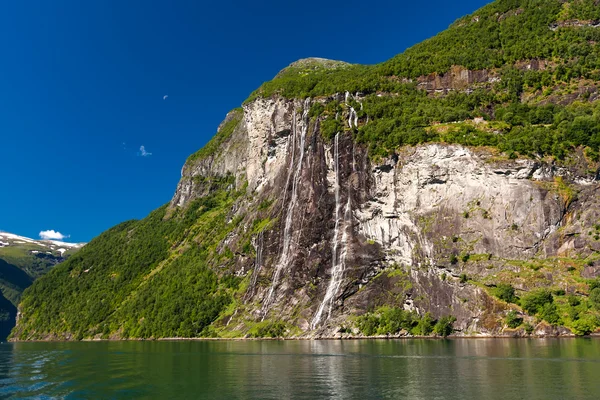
[
  {"x": 159, "y": 285},
  {"x": 595, "y": 298},
  {"x": 513, "y": 320},
  {"x": 505, "y": 292},
  {"x": 233, "y": 120},
  {"x": 444, "y": 326},
  {"x": 535, "y": 301},
  {"x": 528, "y": 130},
  {"x": 268, "y": 329},
  {"x": 549, "y": 313},
  {"x": 541, "y": 303},
  {"x": 20, "y": 264},
  {"x": 391, "y": 320},
  {"x": 501, "y": 33},
  {"x": 499, "y": 37}
]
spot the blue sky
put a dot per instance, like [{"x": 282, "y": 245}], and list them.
[{"x": 82, "y": 86}]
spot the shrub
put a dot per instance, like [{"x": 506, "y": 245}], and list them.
[
  {"x": 549, "y": 313},
  {"x": 444, "y": 326},
  {"x": 505, "y": 292},
  {"x": 424, "y": 326},
  {"x": 368, "y": 324},
  {"x": 463, "y": 278},
  {"x": 533, "y": 302},
  {"x": 573, "y": 301},
  {"x": 330, "y": 127},
  {"x": 316, "y": 110},
  {"x": 344, "y": 329},
  {"x": 528, "y": 328},
  {"x": 595, "y": 298},
  {"x": 513, "y": 320},
  {"x": 584, "y": 326},
  {"x": 268, "y": 329},
  {"x": 391, "y": 320}
]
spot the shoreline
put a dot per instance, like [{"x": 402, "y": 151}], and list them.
[{"x": 307, "y": 339}]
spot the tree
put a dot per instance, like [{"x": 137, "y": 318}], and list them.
[
  {"x": 595, "y": 298},
  {"x": 513, "y": 320},
  {"x": 549, "y": 313},
  {"x": 535, "y": 301},
  {"x": 444, "y": 326},
  {"x": 505, "y": 292}
]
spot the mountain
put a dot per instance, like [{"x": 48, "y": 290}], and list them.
[
  {"x": 450, "y": 190},
  {"x": 23, "y": 260}
]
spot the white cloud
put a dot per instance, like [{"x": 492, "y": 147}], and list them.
[
  {"x": 165, "y": 97},
  {"x": 52, "y": 235},
  {"x": 143, "y": 152}
]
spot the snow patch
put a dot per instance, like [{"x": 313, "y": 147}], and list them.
[
  {"x": 64, "y": 244},
  {"x": 7, "y": 235}
]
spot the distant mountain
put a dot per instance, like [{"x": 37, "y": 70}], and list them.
[{"x": 22, "y": 261}]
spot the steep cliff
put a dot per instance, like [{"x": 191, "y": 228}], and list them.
[{"x": 348, "y": 200}]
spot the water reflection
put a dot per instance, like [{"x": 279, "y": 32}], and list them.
[{"x": 411, "y": 369}]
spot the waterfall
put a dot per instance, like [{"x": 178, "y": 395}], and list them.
[
  {"x": 339, "y": 249},
  {"x": 257, "y": 266},
  {"x": 286, "y": 255},
  {"x": 353, "y": 118}
]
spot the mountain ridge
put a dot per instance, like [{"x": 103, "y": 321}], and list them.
[{"x": 22, "y": 260}]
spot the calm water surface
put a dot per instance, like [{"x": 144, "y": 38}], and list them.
[{"x": 404, "y": 369}]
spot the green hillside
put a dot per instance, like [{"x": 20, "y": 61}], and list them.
[
  {"x": 22, "y": 261},
  {"x": 125, "y": 261},
  {"x": 544, "y": 111}
]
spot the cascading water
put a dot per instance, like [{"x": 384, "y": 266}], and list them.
[
  {"x": 339, "y": 249},
  {"x": 286, "y": 255},
  {"x": 257, "y": 266},
  {"x": 353, "y": 118},
  {"x": 353, "y": 115}
]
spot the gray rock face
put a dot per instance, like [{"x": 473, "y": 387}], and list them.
[{"x": 349, "y": 235}]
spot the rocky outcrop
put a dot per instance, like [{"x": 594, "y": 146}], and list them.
[
  {"x": 349, "y": 235},
  {"x": 458, "y": 78},
  {"x": 575, "y": 23}
]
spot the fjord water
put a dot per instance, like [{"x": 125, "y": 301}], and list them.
[{"x": 394, "y": 369}]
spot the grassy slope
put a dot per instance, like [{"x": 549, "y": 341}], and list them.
[
  {"x": 156, "y": 270},
  {"x": 19, "y": 267}
]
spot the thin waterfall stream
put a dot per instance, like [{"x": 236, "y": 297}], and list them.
[
  {"x": 339, "y": 251},
  {"x": 286, "y": 255}
]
